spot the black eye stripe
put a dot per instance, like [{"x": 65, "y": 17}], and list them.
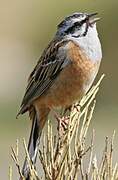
[
  {"x": 75, "y": 25},
  {"x": 71, "y": 29},
  {"x": 80, "y": 23}
]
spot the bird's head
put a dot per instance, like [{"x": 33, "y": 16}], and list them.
[{"x": 77, "y": 25}]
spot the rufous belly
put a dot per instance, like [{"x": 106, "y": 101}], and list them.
[{"x": 72, "y": 82}]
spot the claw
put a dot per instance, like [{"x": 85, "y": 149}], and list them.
[{"x": 77, "y": 107}]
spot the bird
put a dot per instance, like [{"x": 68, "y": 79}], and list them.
[{"x": 63, "y": 75}]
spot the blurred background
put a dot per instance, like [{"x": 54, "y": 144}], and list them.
[{"x": 26, "y": 27}]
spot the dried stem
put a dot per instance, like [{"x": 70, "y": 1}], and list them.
[{"x": 67, "y": 156}]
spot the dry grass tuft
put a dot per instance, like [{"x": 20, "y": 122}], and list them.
[{"x": 67, "y": 156}]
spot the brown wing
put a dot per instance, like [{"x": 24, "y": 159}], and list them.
[{"x": 47, "y": 69}]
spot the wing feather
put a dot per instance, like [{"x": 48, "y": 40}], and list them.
[{"x": 43, "y": 75}]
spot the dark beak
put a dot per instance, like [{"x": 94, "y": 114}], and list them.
[
  {"x": 91, "y": 18},
  {"x": 92, "y": 14}
]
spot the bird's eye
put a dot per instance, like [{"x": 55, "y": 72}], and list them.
[
  {"x": 76, "y": 25},
  {"x": 73, "y": 27}
]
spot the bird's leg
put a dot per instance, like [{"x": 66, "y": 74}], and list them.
[
  {"x": 77, "y": 106},
  {"x": 62, "y": 122},
  {"x": 67, "y": 109}
]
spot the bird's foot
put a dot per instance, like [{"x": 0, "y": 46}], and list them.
[
  {"x": 67, "y": 110},
  {"x": 77, "y": 107},
  {"x": 62, "y": 122}
]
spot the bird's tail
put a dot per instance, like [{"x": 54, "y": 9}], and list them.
[{"x": 34, "y": 141}]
